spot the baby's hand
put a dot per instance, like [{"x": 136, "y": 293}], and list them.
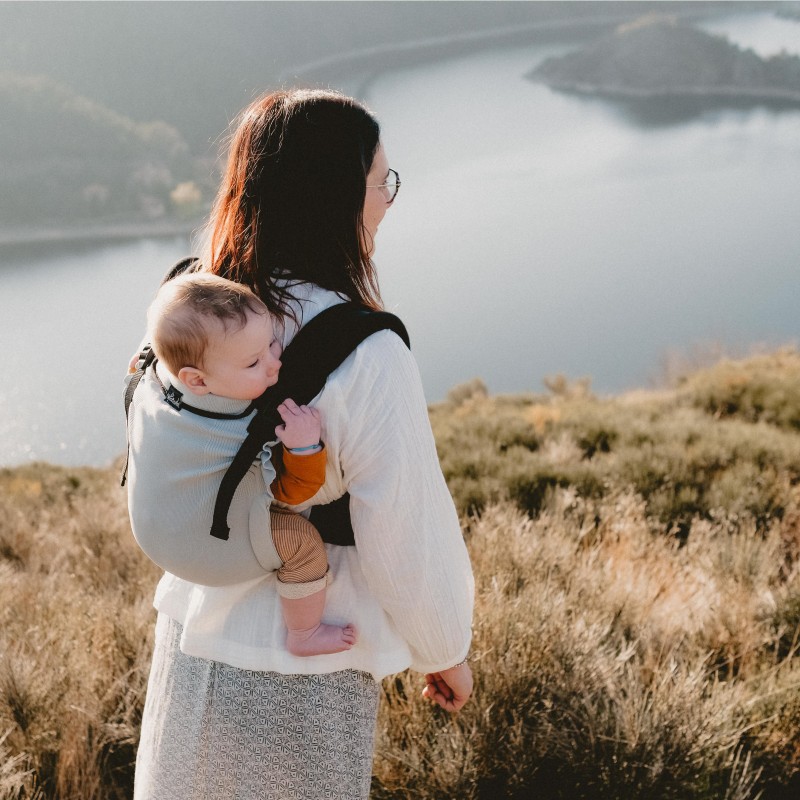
[{"x": 301, "y": 425}]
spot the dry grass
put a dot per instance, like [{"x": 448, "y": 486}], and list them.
[
  {"x": 637, "y": 617},
  {"x": 610, "y": 663},
  {"x": 76, "y": 622}
]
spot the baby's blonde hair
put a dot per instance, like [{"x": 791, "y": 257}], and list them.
[{"x": 182, "y": 317}]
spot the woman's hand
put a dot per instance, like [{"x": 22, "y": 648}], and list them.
[
  {"x": 450, "y": 688},
  {"x": 301, "y": 425}
]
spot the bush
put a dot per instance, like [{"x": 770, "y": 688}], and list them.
[
  {"x": 765, "y": 387},
  {"x": 75, "y": 635},
  {"x": 684, "y": 464}
]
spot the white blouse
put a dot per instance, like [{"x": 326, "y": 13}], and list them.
[{"x": 407, "y": 585}]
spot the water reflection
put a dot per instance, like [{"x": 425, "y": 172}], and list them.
[
  {"x": 74, "y": 313},
  {"x": 676, "y": 110}
]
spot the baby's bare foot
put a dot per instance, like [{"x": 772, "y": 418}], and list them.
[{"x": 321, "y": 640}]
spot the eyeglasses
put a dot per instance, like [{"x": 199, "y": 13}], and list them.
[{"x": 392, "y": 185}]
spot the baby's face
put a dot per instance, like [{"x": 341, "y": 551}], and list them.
[{"x": 243, "y": 364}]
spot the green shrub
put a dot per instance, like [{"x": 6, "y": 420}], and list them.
[
  {"x": 765, "y": 387},
  {"x": 683, "y": 463}
]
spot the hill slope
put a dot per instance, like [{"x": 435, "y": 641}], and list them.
[
  {"x": 637, "y": 565},
  {"x": 65, "y": 158}
]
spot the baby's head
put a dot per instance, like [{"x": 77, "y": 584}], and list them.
[{"x": 215, "y": 336}]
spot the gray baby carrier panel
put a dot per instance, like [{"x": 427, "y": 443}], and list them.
[
  {"x": 170, "y": 517},
  {"x": 231, "y": 500}
]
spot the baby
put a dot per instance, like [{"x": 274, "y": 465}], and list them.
[{"x": 215, "y": 346}]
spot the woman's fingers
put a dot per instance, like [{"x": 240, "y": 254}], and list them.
[
  {"x": 440, "y": 686},
  {"x": 439, "y": 691}
]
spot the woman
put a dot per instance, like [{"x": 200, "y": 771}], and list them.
[{"x": 229, "y": 712}]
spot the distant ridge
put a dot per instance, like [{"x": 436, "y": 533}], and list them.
[{"x": 657, "y": 56}]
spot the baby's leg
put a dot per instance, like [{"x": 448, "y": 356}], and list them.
[{"x": 301, "y": 585}]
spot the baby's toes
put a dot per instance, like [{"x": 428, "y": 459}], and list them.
[{"x": 349, "y": 634}]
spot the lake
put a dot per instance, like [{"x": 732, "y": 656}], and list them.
[{"x": 535, "y": 233}]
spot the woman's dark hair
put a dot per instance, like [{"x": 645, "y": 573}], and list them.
[{"x": 291, "y": 201}]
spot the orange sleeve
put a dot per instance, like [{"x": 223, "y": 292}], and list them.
[{"x": 298, "y": 477}]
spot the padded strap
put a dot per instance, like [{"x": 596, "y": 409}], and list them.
[
  {"x": 316, "y": 351},
  {"x": 333, "y": 521},
  {"x": 190, "y": 264}
]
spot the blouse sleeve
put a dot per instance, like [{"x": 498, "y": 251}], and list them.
[{"x": 407, "y": 532}]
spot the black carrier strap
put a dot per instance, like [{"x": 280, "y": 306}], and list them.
[
  {"x": 333, "y": 521},
  {"x": 316, "y": 351},
  {"x": 190, "y": 264}
]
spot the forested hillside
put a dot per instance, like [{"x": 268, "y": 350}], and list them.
[
  {"x": 67, "y": 158},
  {"x": 657, "y": 56}
]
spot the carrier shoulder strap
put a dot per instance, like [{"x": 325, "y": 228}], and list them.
[
  {"x": 314, "y": 353},
  {"x": 146, "y": 358},
  {"x": 189, "y": 264}
]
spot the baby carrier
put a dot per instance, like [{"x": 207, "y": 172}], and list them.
[{"x": 317, "y": 349}]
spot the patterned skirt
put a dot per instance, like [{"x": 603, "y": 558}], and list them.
[{"x": 214, "y": 732}]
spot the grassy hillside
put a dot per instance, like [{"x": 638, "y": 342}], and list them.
[{"x": 637, "y": 615}]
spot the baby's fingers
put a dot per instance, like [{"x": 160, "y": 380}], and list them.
[{"x": 288, "y": 409}]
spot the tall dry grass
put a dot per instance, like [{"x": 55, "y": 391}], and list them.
[
  {"x": 637, "y": 615},
  {"x": 610, "y": 663},
  {"x": 75, "y": 635}
]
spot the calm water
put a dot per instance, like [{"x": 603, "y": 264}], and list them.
[
  {"x": 73, "y": 317},
  {"x": 535, "y": 233}
]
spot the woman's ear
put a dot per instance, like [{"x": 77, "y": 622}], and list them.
[{"x": 194, "y": 379}]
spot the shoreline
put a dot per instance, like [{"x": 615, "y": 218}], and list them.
[
  {"x": 765, "y": 95},
  {"x": 409, "y": 53},
  {"x": 368, "y": 63},
  {"x": 103, "y": 232}
]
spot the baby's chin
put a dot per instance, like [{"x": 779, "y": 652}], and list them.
[{"x": 266, "y": 386}]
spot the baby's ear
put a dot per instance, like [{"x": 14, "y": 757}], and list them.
[{"x": 194, "y": 379}]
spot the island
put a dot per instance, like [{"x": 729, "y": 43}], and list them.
[{"x": 659, "y": 57}]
